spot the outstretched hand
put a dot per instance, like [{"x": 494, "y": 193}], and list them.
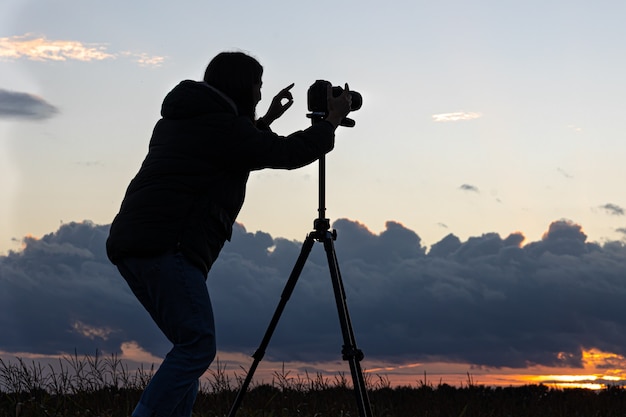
[{"x": 277, "y": 107}]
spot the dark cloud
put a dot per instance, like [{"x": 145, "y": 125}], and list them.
[
  {"x": 487, "y": 301},
  {"x": 613, "y": 209},
  {"x": 469, "y": 187},
  {"x": 14, "y": 104}
]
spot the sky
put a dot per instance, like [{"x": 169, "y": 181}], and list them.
[{"x": 478, "y": 199}]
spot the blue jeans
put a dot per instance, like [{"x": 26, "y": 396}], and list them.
[{"x": 175, "y": 294}]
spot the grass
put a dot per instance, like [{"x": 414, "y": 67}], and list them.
[{"x": 105, "y": 387}]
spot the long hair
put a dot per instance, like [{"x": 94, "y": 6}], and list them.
[{"x": 234, "y": 74}]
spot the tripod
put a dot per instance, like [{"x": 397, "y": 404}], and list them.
[{"x": 349, "y": 351}]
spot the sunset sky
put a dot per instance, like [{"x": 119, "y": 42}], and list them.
[{"x": 479, "y": 199}]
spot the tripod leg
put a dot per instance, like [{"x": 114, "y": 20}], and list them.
[
  {"x": 286, "y": 294},
  {"x": 350, "y": 351}
]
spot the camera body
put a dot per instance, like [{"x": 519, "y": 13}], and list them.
[{"x": 318, "y": 106}]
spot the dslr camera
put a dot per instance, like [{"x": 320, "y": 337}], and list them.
[{"x": 316, "y": 99}]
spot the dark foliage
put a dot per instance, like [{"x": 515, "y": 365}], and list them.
[
  {"x": 105, "y": 388},
  {"x": 269, "y": 400}
]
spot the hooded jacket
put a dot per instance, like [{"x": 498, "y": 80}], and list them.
[{"x": 191, "y": 185}]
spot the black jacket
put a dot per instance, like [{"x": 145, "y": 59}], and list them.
[{"x": 191, "y": 185}]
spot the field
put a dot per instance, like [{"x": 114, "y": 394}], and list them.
[{"x": 105, "y": 387}]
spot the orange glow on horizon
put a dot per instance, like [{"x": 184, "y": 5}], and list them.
[{"x": 599, "y": 370}]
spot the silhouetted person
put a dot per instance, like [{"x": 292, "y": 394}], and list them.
[{"x": 180, "y": 208}]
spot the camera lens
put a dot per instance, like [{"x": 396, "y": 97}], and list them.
[{"x": 357, "y": 100}]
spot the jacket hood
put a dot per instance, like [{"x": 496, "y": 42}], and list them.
[{"x": 195, "y": 98}]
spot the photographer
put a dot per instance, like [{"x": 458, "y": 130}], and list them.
[{"x": 180, "y": 208}]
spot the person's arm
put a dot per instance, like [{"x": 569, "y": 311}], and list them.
[{"x": 249, "y": 148}]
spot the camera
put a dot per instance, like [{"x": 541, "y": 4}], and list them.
[{"x": 316, "y": 99}]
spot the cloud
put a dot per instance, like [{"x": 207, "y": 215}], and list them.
[
  {"x": 487, "y": 301},
  {"x": 613, "y": 209},
  {"x": 469, "y": 187},
  {"x": 15, "y": 104},
  {"x": 145, "y": 60},
  {"x": 39, "y": 48},
  {"x": 456, "y": 116}
]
